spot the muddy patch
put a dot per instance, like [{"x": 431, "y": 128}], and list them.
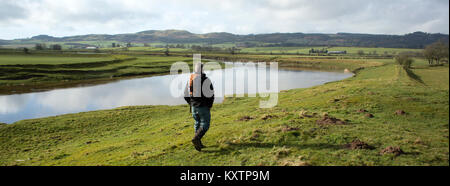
[
  {"x": 267, "y": 116},
  {"x": 361, "y": 111},
  {"x": 358, "y": 144},
  {"x": 335, "y": 100},
  {"x": 329, "y": 120},
  {"x": 392, "y": 150},
  {"x": 245, "y": 118},
  {"x": 288, "y": 128},
  {"x": 255, "y": 134},
  {"x": 90, "y": 142},
  {"x": 400, "y": 112}
]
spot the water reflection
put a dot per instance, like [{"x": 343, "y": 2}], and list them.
[{"x": 144, "y": 91}]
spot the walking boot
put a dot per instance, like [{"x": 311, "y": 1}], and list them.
[
  {"x": 202, "y": 133},
  {"x": 196, "y": 140}
]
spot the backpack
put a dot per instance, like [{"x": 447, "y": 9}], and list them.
[{"x": 191, "y": 82}]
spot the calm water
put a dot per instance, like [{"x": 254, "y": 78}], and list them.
[{"x": 145, "y": 91}]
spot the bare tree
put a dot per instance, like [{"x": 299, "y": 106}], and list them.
[
  {"x": 39, "y": 46},
  {"x": 56, "y": 47},
  {"x": 360, "y": 52},
  {"x": 441, "y": 51},
  {"x": 404, "y": 60},
  {"x": 166, "y": 52},
  {"x": 233, "y": 50},
  {"x": 436, "y": 52},
  {"x": 428, "y": 53}
]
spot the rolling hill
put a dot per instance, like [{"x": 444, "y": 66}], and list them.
[{"x": 412, "y": 40}]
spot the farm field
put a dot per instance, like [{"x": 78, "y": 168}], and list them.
[
  {"x": 350, "y": 50},
  {"x": 24, "y": 73},
  {"x": 50, "y": 59}
]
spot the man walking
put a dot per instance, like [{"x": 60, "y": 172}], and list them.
[{"x": 199, "y": 94}]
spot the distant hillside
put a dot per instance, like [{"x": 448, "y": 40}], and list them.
[
  {"x": 412, "y": 40},
  {"x": 3, "y": 42}
]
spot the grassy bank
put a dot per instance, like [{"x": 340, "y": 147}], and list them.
[
  {"x": 329, "y": 63},
  {"x": 243, "y": 134}
]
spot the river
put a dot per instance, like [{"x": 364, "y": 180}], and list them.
[{"x": 147, "y": 91}]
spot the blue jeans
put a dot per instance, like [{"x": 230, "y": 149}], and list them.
[{"x": 202, "y": 117}]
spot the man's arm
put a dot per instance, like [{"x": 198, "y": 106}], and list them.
[
  {"x": 211, "y": 99},
  {"x": 187, "y": 97}
]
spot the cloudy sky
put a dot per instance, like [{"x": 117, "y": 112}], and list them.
[{"x": 26, "y": 18}]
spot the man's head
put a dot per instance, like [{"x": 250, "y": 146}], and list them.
[{"x": 198, "y": 68}]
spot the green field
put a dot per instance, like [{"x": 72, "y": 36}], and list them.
[
  {"x": 159, "y": 49},
  {"x": 351, "y": 51},
  {"x": 50, "y": 59},
  {"x": 287, "y": 134},
  {"x": 23, "y": 73},
  {"x": 305, "y": 50}
]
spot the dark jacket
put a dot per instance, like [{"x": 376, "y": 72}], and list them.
[{"x": 199, "y": 101}]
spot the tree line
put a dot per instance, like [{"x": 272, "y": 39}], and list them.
[
  {"x": 43, "y": 46},
  {"x": 436, "y": 53}
]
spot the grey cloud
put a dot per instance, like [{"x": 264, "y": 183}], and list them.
[
  {"x": 236, "y": 16},
  {"x": 95, "y": 11},
  {"x": 380, "y": 16},
  {"x": 11, "y": 10}
]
